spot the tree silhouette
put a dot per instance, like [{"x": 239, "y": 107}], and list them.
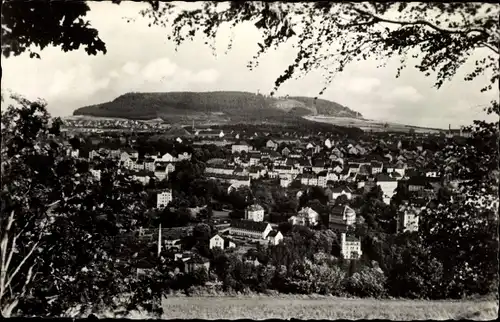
[
  {"x": 440, "y": 36},
  {"x": 59, "y": 228},
  {"x": 47, "y": 22}
]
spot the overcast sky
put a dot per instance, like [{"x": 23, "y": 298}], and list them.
[{"x": 140, "y": 58}]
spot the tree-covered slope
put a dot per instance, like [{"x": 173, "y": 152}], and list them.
[{"x": 231, "y": 104}]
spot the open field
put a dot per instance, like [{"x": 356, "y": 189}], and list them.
[
  {"x": 369, "y": 125},
  {"x": 286, "y": 307}
]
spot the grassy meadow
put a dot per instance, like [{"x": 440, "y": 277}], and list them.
[{"x": 286, "y": 307}]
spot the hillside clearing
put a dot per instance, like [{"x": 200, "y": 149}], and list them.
[
  {"x": 370, "y": 125},
  {"x": 324, "y": 308}
]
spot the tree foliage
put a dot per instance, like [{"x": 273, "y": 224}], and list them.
[
  {"x": 438, "y": 37},
  {"x": 60, "y": 227},
  {"x": 27, "y": 25}
]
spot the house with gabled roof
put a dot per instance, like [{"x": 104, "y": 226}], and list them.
[
  {"x": 128, "y": 153},
  {"x": 270, "y": 144},
  {"x": 167, "y": 157},
  {"x": 305, "y": 217},
  {"x": 331, "y": 176},
  {"x": 341, "y": 218},
  {"x": 341, "y": 190},
  {"x": 161, "y": 172},
  {"x": 275, "y": 237},
  {"x": 95, "y": 154},
  {"x": 318, "y": 165},
  {"x": 216, "y": 242},
  {"x": 220, "y": 242},
  {"x": 376, "y": 167},
  {"x": 285, "y": 151},
  {"x": 240, "y": 146},
  {"x": 388, "y": 184}
]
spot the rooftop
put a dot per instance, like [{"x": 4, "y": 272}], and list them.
[
  {"x": 249, "y": 225},
  {"x": 342, "y": 188},
  {"x": 273, "y": 233},
  {"x": 255, "y": 207}
]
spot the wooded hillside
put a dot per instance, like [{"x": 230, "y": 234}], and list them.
[{"x": 235, "y": 105}]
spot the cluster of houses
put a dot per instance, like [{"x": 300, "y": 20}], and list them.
[
  {"x": 97, "y": 124},
  {"x": 143, "y": 170},
  {"x": 342, "y": 168},
  {"x": 319, "y": 165},
  {"x": 169, "y": 239}
]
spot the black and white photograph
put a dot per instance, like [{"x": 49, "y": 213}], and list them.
[{"x": 226, "y": 160}]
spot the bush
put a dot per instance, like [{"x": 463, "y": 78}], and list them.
[
  {"x": 369, "y": 282},
  {"x": 328, "y": 280}
]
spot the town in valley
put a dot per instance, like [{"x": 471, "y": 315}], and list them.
[{"x": 249, "y": 159}]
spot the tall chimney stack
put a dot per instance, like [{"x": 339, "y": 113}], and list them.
[{"x": 159, "y": 240}]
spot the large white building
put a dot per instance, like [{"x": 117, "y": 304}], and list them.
[
  {"x": 350, "y": 247},
  {"x": 251, "y": 229},
  {"x": 240, "y": 147},
  {"x": 163, "y": 198},
  {"x": 254, "y": 212},
  {"x": 306, "y": 217}
]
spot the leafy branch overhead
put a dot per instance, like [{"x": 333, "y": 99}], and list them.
[
  {"x": 27, "y": 25},
  {"x": 440, "y": 37}
]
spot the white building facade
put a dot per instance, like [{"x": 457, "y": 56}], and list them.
[{"x": 163, "y": 199}]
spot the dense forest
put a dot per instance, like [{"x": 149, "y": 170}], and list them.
[{"x": 235, "y": 105}]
